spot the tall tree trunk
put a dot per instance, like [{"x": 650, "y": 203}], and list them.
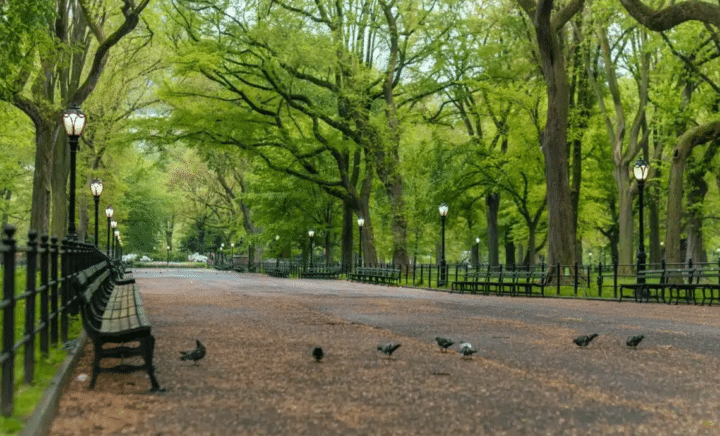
[
  {"x": 492, "y": 207},
  {"x": 561, "y": 232},
  {"x": 626, "y": 235},
  {"x": 45, "y": 136}
]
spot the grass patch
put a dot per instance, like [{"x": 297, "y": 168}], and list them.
[{"x": 27, "y": 396}]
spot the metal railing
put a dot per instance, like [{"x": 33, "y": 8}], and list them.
[
  {"x": 583, "y": 280},
  {"x": 36, "y": 312}
]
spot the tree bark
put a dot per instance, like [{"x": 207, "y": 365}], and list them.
[
  {"x": 561, "y": 232},
  {"x": 492, "y": 207}
]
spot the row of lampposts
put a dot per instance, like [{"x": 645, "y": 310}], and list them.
[{"x": 74, "y": 121}]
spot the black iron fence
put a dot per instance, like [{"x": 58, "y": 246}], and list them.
[
  {"x": 586, "y": 280},
  {"x": 37, "y": 301}
]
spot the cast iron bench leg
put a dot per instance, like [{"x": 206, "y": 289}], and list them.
[{"x": 148, "y": 349}]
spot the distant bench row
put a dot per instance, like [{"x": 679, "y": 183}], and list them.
[
  {"x": 668, "y": 285},
  {"x": 513, "y": 282}
]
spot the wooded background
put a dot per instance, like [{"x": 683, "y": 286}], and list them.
[{"x": 225, "y": 121}]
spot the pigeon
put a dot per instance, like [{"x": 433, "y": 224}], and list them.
[
  {"x": 583, "y": 341},
  {"x": 466, "y": 350},
  {"x": 444, "y": 343},
  {"x": 317, "y": 353},
  {"x": 194, "y": 355},
  {"x": 388, "y": 348},
  {"x": 634, "y": 341}
]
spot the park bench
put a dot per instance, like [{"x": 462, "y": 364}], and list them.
[
  {"x": 113, "y": 313},
  {"x": 470, "y": 282},
  {"x": 708, "y": 281},
  {"x": 320, "y": 272},
  {"x": 385, "y": 276},
  {"x": 494, "y": 278},
  {"x": 525, "y": 281},
  {"x": 661, "y": 284},
  {"x": 278, "y": 271}
]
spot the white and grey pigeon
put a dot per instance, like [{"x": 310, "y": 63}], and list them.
[
  {"x": 388, "y": 348},
  {"x": 467, "y": 350}
]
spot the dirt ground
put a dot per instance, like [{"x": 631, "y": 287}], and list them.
[{"x": 259, "y": 378}]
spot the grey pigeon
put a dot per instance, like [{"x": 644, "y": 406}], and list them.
[
  {"x": 194, "y": 355},
  {"x": 634, "y": 341},
  {"x": 388, "y": 348},
  {"x": 583, "y": 341},
  {"x": 317, "y": 353},
  {"x": 444, "y": 343},
  {"x": 467, "y": 350}
]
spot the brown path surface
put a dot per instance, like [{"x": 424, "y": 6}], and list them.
[{"x": 527, "y": 378}]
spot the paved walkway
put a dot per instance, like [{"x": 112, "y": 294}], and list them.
[{"x": 528, "y": 378}]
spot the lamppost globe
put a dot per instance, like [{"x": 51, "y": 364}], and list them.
[
  {"x": 443, "y": 209},
  {"x": 641, "y": 170},
  {"x": 74, "y": 123}
]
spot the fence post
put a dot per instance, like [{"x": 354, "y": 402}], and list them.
[
  {"x": 558, "y": 278},
  {"x": 54, "y": 282},
  {"x": 615, "y": 277},
  {"x": 600, "y": 279},
  {"x": 575, "y": 279},
  {"x": 44, "y": 283},
  {"x": 8, "y": 353},
  {"x": 30, "y": 296},
  {"x": 66, "y": 255}
]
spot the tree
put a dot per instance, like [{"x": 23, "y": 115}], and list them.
[
  {"x": 660, "y": 21},
  {"x": 561, "y": 234},
  {"x": 64, "y": 65}
]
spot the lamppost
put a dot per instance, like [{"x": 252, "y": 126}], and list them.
[
  {"x": 640, "y": 170},
  {"x": 277, "y": 258},
  {"x": 361, "y": 223},
  {"x": 442, "y": 277},
  {"x": 113, "y": 225},
  {"x": 108, "y": 213},
  {"x": 117, "y": 244},
  {"x": 232, "y": 250},
  {"x": 222, "y": 251},
  {"x": 167, "y": 262},
  {"x": 311, "y": 233},
  {"x": 74, "y": 122},
  {"x": 96, "y": 188},
  {"x": 477, "y": 253}
]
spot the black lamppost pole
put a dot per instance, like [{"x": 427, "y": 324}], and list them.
[
  {"x": 277, "y": 258},
  {"x": 113, "y": 225},
  {"x": 74, "y": 122},
  {"x": 442, "y": 279},
  {"x": 311, "y": 233},
  {"x": 477, "y": 253},
  {"x": 167, "y": 260},
  {"x": 361, "y": 223},
  {"x": 96, "y": 188},
  {"x": 640, "y": 171},
  {"x": 108, "y": 213},
  {"x": 117, "y": 244}
]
